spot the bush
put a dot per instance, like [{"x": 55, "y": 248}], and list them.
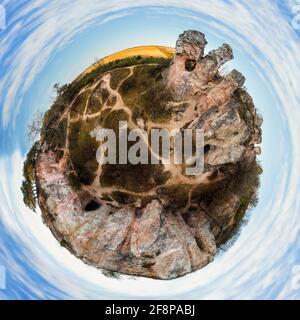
[{"x": 28, "y": 188}]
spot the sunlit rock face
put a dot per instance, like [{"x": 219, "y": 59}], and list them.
[{"x": 150, "y": 220}]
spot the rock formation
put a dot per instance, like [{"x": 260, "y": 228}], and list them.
[{"x": 151, "y": 221}]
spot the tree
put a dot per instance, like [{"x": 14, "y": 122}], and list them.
[
  {"x": 28, "y": 188},
  {"x": 65, "y": 94},
  {"x": 60, "y": 88},
  {"x": 35, "y": 128}
]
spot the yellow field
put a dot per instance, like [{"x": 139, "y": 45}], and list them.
[{"x": 144, "y": 51}]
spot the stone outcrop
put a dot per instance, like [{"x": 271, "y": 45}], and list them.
[
  {"x": 154, "y": 242},
  {"x": 156, "y": 238}
]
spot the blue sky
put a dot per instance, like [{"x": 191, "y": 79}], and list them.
[{"x": 45, "y": 43}]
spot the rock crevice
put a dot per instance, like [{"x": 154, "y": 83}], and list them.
[{"x": 105, "y": 216}]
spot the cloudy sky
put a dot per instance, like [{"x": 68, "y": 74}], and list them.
[{"x": 46, "y": 42}]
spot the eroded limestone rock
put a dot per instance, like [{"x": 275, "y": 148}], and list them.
[{"x": 176, "y": 225}]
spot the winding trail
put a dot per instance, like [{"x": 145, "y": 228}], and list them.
[{"x": 176, "y": 171}]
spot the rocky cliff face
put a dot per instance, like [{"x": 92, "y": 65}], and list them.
[{"x": 153, "y": 235}]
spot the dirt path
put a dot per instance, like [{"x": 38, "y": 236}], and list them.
[{"x": 177, "y": 177}]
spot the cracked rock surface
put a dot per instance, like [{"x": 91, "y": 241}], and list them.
[{"x": 153, "y": 221}]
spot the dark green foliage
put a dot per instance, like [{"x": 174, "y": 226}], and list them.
[
  {"x": 53, "y": 132},
  {"x": 60, "y": 89},
  {"x": 28, "y": 187},
  {"x": 65, "y": 94}
]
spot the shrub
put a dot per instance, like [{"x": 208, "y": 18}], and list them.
[{"x": 28, "y": 188}]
